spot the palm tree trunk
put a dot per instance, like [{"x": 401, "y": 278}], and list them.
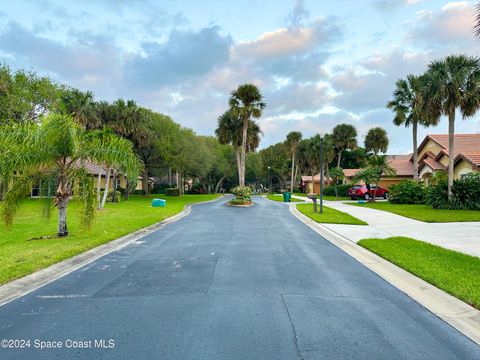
[
  {"x": 293, "y": 168},
  {"x": 244, "y": 151},
  {"x": 239, "y": 164},
  {"x": 339, "y": 159},
  {"x": 99, "y": 185},
  {"x": 451, "y": 150},
  {"x": 107, "y": 184},
  {"x": 219, "y": 183},
  {"x": 415, "y": 151},
  {"x": 62, "y": 216}
]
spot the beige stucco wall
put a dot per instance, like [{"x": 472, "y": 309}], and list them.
[
  {"x": 430, "y": 146},
  {"x": 462, "y": 167}
]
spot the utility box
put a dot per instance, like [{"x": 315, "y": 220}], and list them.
[{"x": 159, "y": 203}]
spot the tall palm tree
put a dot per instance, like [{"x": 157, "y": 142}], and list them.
[
  {"x": 344, "y": 137},
  {"x": 376, "y": 140},
  {"x": 81, "y": 106},
  {"x": 452, "y": 83},
  {"x": 56, "y": 148},
  {"x": 409, "y": 110},
  {"x": 229, "y": 131},
  {"x": 293, "y": 139},
  {"x": 476, "y": 28},
  {"x": 246, "y": 102}
]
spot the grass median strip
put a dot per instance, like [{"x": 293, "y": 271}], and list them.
[
  {"x": 329, "y": 216},
  {"x": 279, "y": 197},
  {"x": 31, "y": 244},
  {"x": 455, "y": 273},
  {"x": 425, "y": 212}
]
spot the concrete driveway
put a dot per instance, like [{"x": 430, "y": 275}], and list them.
[{"x": 229, "y": 283}]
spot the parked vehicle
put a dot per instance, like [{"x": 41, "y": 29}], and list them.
[{"x": 367, "y": 192}]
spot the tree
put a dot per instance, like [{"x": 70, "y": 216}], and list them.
[
  {"x": 376, "y": 140},
  {"x": 336, "y": 175},
  {"x": 344, "y": 137},
  {"x": 246, "y": 102},
  {"x": 452, "y": 83},
  {"x": 409, "y": 110},
  {"x": 229, "y": 131},
  {"x": 81, "y": 106},
  {"x": 378, "y": 166},
  {"x": 58, "y": 148},
  {"x": 293, "y": 139},
  {"x": 24, "y": 96}
]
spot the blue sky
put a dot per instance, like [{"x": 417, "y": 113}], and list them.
[{"x": 318, "y": 63}]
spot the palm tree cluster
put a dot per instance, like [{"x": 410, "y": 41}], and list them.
[
  {"x": 237, "y": 126},
  {"x": 297, "y": 155},
  {"x": 448, "y": 86}
]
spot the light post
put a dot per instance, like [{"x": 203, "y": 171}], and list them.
[
  {"x": 321, "y": 175},
  {"x": 269, "y": 181}
]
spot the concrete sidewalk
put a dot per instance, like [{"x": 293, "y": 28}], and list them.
[{"x": 459, "y": 236}]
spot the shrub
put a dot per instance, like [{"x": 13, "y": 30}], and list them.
[
  {"x": 172, "y": 192},
  {"x": 118, "y": 196},
  {"x": 239, "y": 202},
  {"x": 437, "y": 195},
  {"x": 242, "y": 193},
  {"x": 465, "y": 194},
  {"x": 159, "y": 189},
  {"x": 407, "y": 192},
  {"x": 330, "y": 190},
  {"x": 197, "y": 188}
]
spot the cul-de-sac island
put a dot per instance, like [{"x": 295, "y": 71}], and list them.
[{"x": 240, "y": 180}]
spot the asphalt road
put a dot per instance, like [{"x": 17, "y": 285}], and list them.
[{"x": 228, "y": 283}]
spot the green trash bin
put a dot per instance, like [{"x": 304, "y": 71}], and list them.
[{"x": 287, "y": 196}]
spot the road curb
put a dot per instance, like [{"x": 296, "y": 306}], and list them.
[
  {"x": 453, "y": 311},
  {"x": 25, "y": 285}
]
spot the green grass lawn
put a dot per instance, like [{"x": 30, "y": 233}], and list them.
[
  {"x": 20, "y": 255},
  {"x": 453, "y": 272},
  {"x": 425, "y": 212},
  {"x": 277, "y": 197},
  {"x": 329, "y": 216}
]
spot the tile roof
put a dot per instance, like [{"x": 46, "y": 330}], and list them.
[
  {"x": 433, "y": 164},
  {"x": 463, "y": 142},
  {"x": 472, "y": 157},
  {"x": 402, "y": 164}
]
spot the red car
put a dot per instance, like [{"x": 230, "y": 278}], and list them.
[{"x": 364, "y": 192}]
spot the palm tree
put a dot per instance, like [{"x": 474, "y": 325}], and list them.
[
  {"x": 376, "y": 140},
  {"x": 344, "y": 137},
  {"x": 409, "y": 109},
  {"x": 337, "y": 175},
  {"x": 229, "y": 131},
  {"x": 380, "y": 166},
  {"x": 81, "y": 106},
  {"x": 452, "y": 83},
  {"x": 110, "y": 158},
  {"x": 476, "y": 28},
  {"x": 293, "y": 139},
  {"x": 246, "y": 102},
  {"x": 56, "y": 148}
]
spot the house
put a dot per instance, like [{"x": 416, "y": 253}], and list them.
[
  {"x": 48, "y": 189},
  {"x": 433, "y": 155},
  {"x": 401, "y": 163}
]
